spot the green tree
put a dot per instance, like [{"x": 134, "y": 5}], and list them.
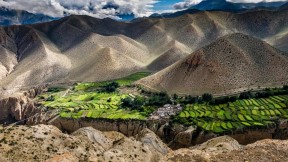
[
  {"x": 111, "y": 87},
  {"x": 206, "y": 97}
]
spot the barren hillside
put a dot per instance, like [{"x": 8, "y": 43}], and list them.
[
  {"x": 82, "y": 48},
  {"x": 234, "y": 62}
]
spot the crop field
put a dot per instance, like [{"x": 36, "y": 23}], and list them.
[
  {"x": 123, "y": 81},
  {"x": 91, "y": 105},
  {"x": 236, "y": 115},
  {"x": 83, "y": 102}
]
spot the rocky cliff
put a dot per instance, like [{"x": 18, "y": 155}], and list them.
[
  {"x": 48, "y": 143},
  {"x": 18, "y": 107},
  {"x": 176, "y": 136}
]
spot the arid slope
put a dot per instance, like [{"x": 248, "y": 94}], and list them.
[
  {"x": 234, "y": 62},
  {"x": 82, "y": 48}
]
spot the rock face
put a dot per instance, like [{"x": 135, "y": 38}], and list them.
[
  {"x": 219, "y": 145},
  {"x": 128, "y": 128},
  {"x": 153, "y": 142},
  {"x": 226, "y": 149},
  {"x": 265, "y": 150},
  {"x": 44, "y": 142},
  {"x": 47, "y": 143},
  {"x": 18, "y": 107},
  {"x": 177, "y": 136}
]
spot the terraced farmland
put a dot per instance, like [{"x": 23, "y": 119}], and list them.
[
  {"x": 236, "y": 115},
  {"x": 85, "y": 102},
  {"x": 123, "y": 81},
  {"x": 91, "y": 105}
]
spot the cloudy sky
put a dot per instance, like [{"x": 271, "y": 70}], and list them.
[{"x": 105, "y": 8}]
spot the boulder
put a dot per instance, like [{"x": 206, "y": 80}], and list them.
[
  {"x": 153, "y": 142},
  {"x": 185, "y": 138},
  {"x": 186, "y": 155},
  {"x": 223, "y": 144}
]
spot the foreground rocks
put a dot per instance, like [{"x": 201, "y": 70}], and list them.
[
  {"x": 48, "y": 143},
  {"x": 43, "y": 142}
]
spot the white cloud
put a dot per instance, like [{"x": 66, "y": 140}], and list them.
[
  {"x": 95, "y": 8},
  {"x": 186, "y": 4},
  {"x": 254, "y": 1}
]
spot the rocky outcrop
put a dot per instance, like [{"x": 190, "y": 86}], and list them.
[
  {"x": 47, "y": 143},
  {"x": 226, "y": 149},
  {"x": 263, "y": 151},
  {"x": 18, "y": 107},
  {"x": 153, "y": 142},
  {"x": 218, "y": 145},
  {"x": 176, "y": 136},
  {"x": 185, "y": 138},
  {"x": 126, "y": 127},
  {"x": 205, "y": 151}
]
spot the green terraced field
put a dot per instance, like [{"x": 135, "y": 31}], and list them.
[
  {"x": 91, "y": 105},
  {"x": 123, "y": 81},
  {"x": 82, "y": 102},
  {"x": 236, "y": 115}
]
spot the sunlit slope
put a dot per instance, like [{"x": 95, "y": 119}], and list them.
[
  {"x": 232, "y": 63},
  {"x": 82, "y": 48}
]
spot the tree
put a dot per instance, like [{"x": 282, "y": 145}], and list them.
[
  {"x": 111, "y": 87},
  {"x": 190, "y": 100},
  {"x": 245, "y": 95},
  {"x": 206, "y": 97},
  {"x": 137, "y": 103},
  {"x": 233, "y": 98},
  {"x": 175, "y": 96},
  {"x": 133, "y": 104},
  {"x": 159, "y": 99},
  {"x": 126, "y": 102}
]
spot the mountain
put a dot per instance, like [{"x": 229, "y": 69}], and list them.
[
  {"x": 82, "y": 48},
  {"x": 222, "y": 5},
  {"x": 175, "y": 14},
  {"x": 231, "y": 64},
  {"x": 18, "y": 17},
  {"x": 284, "y": 6}
]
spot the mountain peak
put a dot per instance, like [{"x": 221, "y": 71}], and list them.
[{"x": 19, "y": 17}]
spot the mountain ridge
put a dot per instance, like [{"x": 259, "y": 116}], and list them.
[
  {"x": 20, "y": 17},
  {"x": 223, "y": 5},
  {"x": 76, "y": 39}
]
